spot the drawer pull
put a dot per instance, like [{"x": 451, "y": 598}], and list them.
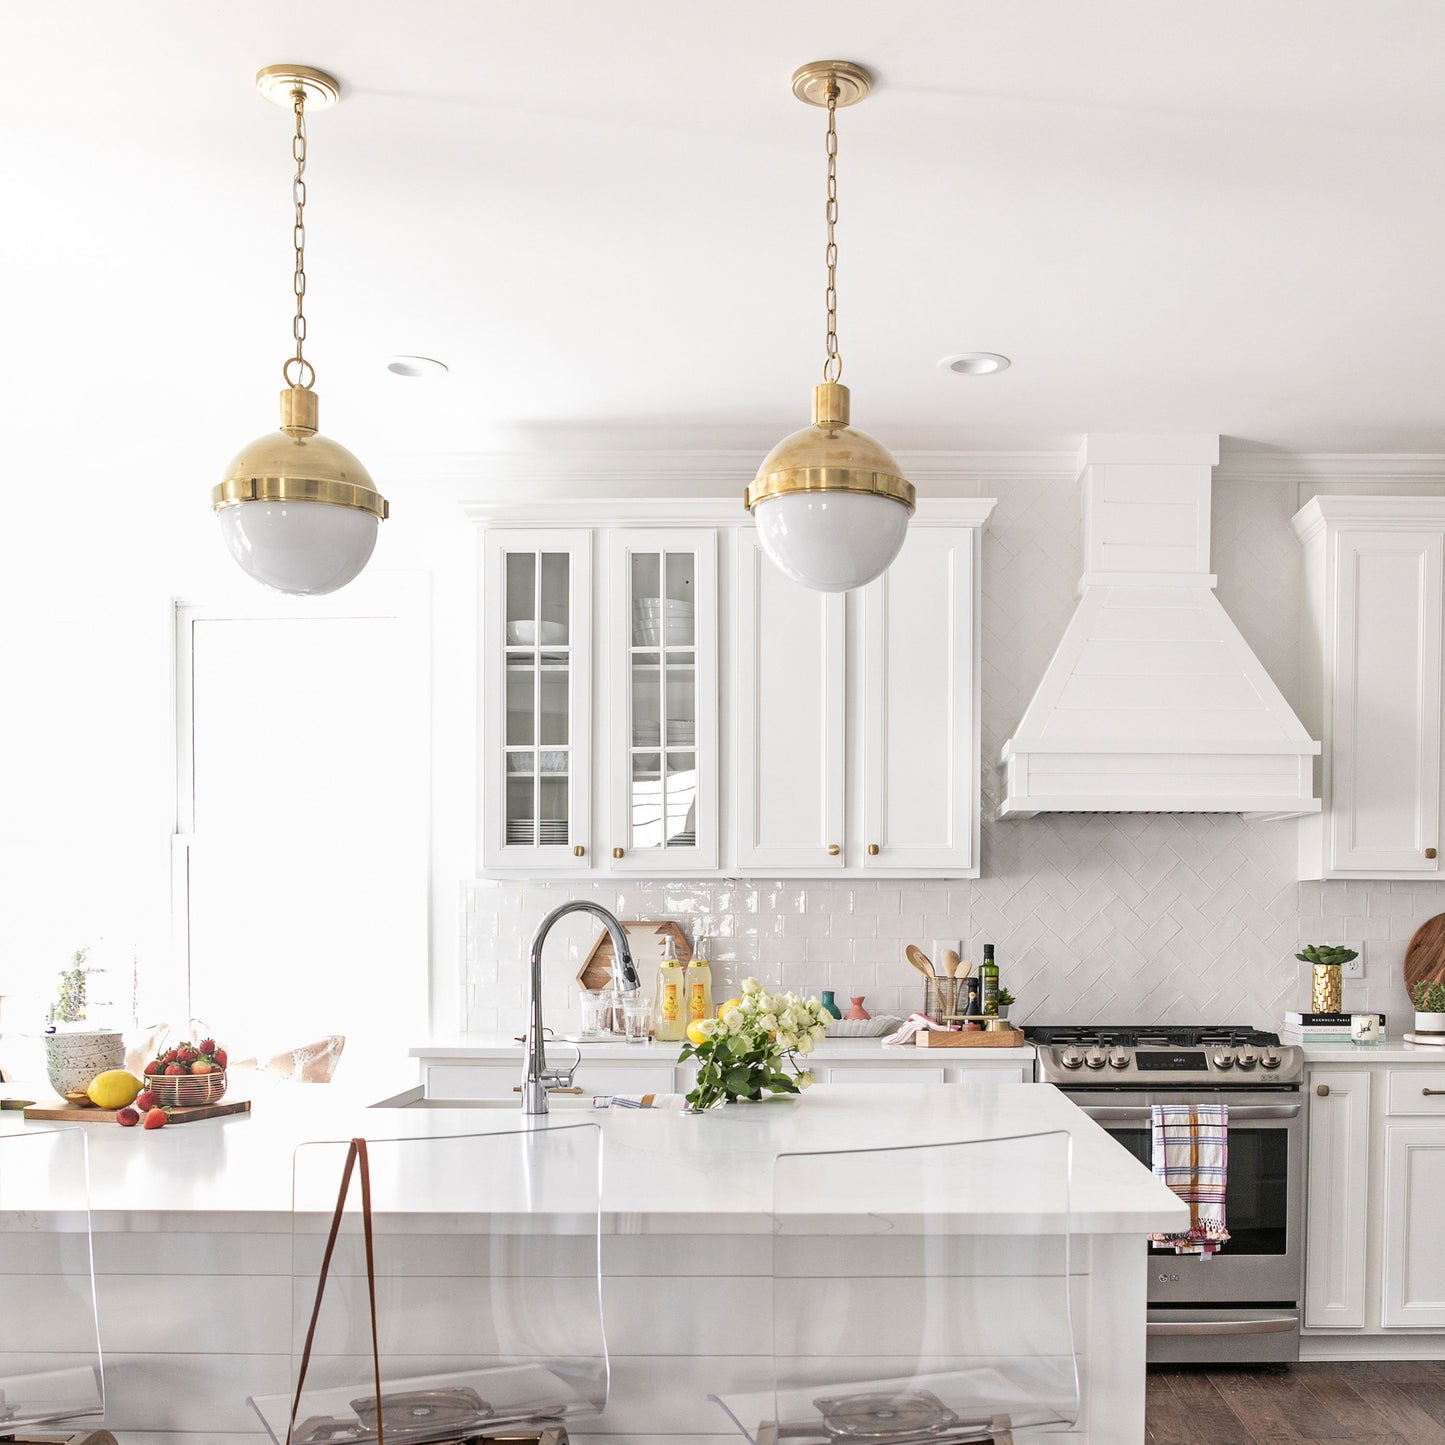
[
  {"x": 578, "y": 851},
  {"x": 1429, "y": 1092},
  {"x": 872, "y": 850},
  {"x": 833, "y": 850},
  {"x": 617, "y": 852},
  {"x": 1323, "y": 1090},
  {"x": 1429, "y": 852}
]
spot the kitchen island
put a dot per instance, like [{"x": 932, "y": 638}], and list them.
[{"x": 193, "y": 1224}]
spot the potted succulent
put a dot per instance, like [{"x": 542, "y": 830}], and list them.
[
  {"x": 1326, "y": 961},
  {"x": 1005, "y": 998},
  {"x": 1429, "y": 1008}
]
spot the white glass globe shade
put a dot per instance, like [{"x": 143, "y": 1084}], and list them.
[
  {"x": 831, "y": 541},
  {"x": 304, "y": 548}
]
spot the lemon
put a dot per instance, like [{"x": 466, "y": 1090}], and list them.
[
  {"x": 695, "y": 1034},
  {"x": 731, "y": 1003},
  {"x": 113, "y": 1089}
]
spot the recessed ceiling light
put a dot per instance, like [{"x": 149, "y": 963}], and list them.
[
  {"x": 974, "y": 363},
  {"x": 416, "y": 366}
]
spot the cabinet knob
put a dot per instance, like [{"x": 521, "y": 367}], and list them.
[
  {"x": 872, "y": 850},
  {"x": 1429, "y": 852},
  {"x": 617, "y": 852},
  {"x": 1323, "y": 1090},
  {"x": 578, "y": 851},
  {"x": 833, "y": 850}
]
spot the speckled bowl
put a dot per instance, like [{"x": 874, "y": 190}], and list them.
[{"x": 74, "y": 1058}]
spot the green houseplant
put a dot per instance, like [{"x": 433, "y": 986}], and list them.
[
  {"x": 1429, "y": 999},
  {"x": 1326, "y": 960}
]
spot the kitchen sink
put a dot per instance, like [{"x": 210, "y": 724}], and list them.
[{"x": 555, "y": 1102}]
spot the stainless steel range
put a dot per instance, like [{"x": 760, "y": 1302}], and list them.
[{"x": 1243, "y": 1304}]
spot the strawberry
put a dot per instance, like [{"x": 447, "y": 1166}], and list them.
[
  {"x": 127, "y": 1118},
  {"x": 220, "y": 1058},
  {"x": 186, "y": 1054},
  {"x": 155, "y": 1119},
  {"x": 156, "y": 1066},
  {"x": 173, "y": 1070},
  {"x": 204, "y": 1066},
  {"x": 208, "y": 1046},
  {"x": 146, "y": 1099}
]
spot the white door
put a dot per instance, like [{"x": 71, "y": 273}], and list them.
[
  {"x": 1414, "y": 1279},
  {"x": 536, "y": 699},
  {"x": 663, "y": 703},
  {"x": 1337, "y": 1220},
  {"x": 790, "y": 725},
  {"x": 1385, "y": 738},
  {"x": 919, "y": 748}
]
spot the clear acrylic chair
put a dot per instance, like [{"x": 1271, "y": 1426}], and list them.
[
  {"x": 52, "y": 1374},
  {"x": 939, "y": 1313},
  {"x": 488, "y": 1302}
]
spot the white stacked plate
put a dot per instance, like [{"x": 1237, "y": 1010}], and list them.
[
  {"x": 531, "y": 634},
  {"x": 649, "y": 735},
  {"x": 553, "y": 830},
  {"x": 873, "y": 1028},
  {"x": 661, "y": 622}
]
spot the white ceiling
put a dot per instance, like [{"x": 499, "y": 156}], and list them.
[{"x": 1172, "y": 216}]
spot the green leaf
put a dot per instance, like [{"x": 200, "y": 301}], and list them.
[{"x": 738, "y": 1080}]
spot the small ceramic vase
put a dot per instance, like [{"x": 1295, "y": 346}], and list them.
[
  {"x": 829, "y": 1006},
  {"x": 857, "y": 1011}
]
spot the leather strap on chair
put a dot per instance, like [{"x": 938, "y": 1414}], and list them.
[{"x": 356, "y": 1152}]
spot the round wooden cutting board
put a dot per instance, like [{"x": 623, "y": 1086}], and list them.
[{"x": 1425, "y": 957}]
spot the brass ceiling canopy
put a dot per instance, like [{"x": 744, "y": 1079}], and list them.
[
  {"x": 831, "y": 504},
  {"x": 279, "y": 84}
]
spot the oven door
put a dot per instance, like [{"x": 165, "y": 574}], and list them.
[{"x": 1263, "y": 1206}]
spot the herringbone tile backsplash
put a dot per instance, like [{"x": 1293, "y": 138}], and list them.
[{"x": 1164, "y": 918}]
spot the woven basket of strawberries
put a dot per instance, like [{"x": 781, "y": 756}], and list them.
[{"x": 188, "y": 1074}]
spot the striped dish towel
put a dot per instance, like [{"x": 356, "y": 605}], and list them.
[
  {"x": 638, "y": 1101},
  {"x": 1191, "y": 1155}
]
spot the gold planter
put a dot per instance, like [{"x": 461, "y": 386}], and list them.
[{"x": 1326, "y": 996}]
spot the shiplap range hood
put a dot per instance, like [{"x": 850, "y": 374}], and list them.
[{"x": 1153, "y": 702}]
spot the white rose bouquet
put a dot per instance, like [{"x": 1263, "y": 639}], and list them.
[{"x": 754, "y": 1045}]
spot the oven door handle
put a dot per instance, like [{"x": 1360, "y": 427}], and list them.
[
  {"x": 1280, "y": 1325},
  {"x": 1241, "y": 1114}
]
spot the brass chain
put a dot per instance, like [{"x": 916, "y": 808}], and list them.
[
  {"x": 305, "y": 372},
  {"x": 833, "y": 358}
]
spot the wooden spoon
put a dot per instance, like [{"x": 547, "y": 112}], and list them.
[
  {"x": 950, "y": 962},
  {"x": 920, "y": 960}
]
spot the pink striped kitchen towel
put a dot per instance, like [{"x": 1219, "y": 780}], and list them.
[{"x": 1191, "y": 1155}]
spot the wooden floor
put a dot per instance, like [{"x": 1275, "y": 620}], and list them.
[{"x": 1362, "y": 1404}]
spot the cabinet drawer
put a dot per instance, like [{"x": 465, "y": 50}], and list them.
[
  {"x": 1407, "y": 1091},
  {"x": 472, "y": 1081},
  {"x": 625, "y": 1079},
  {"x": 874, "y": 1074},
  {"x": 499, "y": 1081}
]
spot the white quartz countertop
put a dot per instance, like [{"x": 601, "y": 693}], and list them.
[
  {"x": 494, "y": 1047},
  {"x": 665, "y": 1171},
  {"x": 1391, "y": 1051}
]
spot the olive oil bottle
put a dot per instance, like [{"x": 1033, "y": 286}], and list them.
[{"x": 988, "y": 978}]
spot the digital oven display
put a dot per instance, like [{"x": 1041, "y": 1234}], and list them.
[{"x": 1181, "y": 1063}]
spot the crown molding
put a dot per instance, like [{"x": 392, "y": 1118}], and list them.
[
  {"x": 684, "y": 511},
  {"x": 1326, "y": 467}
]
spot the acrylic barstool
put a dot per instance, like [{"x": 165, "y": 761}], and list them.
[
  {"x": 488, "y": 1299},
  {"x": 52, "y": 1372},
  {"x": 942, "y": 1315}
]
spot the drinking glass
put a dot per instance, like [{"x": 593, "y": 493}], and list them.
[
  {"x": 636, "y": 1017},
  {"x": 596, "y": 1010}
]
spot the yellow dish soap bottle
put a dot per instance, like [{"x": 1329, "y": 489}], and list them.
[
  {"x": 670, "y": 1025},
  {"x": 699, "y": 986}
]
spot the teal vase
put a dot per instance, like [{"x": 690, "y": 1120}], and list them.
[{"x": 829, "y": 1005}]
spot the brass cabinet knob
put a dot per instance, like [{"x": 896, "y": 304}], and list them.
[
  {"x": 617, "y": 852},
  {"x": 579, "y": 851},
  {"x": 872, "y": 850},
  {"x": 1429, "y": 852},
  {"x": 833, "y": 850},
  {"x": 1323, "y": 1090}
]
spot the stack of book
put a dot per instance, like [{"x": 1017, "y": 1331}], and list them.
[{"x": 1300, "y": 1028}]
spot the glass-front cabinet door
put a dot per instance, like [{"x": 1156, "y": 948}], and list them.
[
  {"x": 662, "y": 710},
  {"x": 536, "y": 700}
]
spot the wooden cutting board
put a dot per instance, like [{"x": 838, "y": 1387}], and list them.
[
  {"x": 76, "y": 1114},
  {"x": 971, "y": 1039},
  {"x": 1425, "y": 957}
]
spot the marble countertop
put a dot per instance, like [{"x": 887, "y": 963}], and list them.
[
  {"x": 665, "y": 1171},
  {"x": 1390, "y": 1051},
  {"x": 485, "y": 1047}
]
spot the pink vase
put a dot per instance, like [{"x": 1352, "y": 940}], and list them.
[{"x": 857, "y": 1011}]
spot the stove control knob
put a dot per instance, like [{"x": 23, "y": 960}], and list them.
[
  {"x": 1095, "y": 1058},
  {"x": 1270, "y": 1059},
  {"x": 1224, "y": 1059},
  {"x": 1118, "y": 1058},
  {"x": 1071, "y": 1058},
  {"x": 1248, "y": 1058}
]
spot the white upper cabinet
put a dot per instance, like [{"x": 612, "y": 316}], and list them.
[
  {"x": 918, "y": 690},
  {"x": 1374, "y": 572},
  {"x": 791, "y": 702},
  {"x": 536, "y": 699},
  {"x": 657, "y": 699},
  {"x": 662, "y": 714}
]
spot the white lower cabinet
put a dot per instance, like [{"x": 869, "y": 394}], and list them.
[
  {"x": 1337, "y": 1199},
  {"x": 1414, "y": 1261}
]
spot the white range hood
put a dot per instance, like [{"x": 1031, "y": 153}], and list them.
[{"x": 1153, "y": 702}]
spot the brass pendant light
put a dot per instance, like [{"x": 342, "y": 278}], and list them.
[
  {"x": 298, "y": 511},
  {"x": 831, "y": 504}
]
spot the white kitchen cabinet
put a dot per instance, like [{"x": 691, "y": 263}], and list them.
[
  {"x": 1414, "y": 1263},
  {"x": 791, "y": 702},
  {"x": 662, "y": 717},
  {"x": 1337, "y": 1199},
  {"x": 536, "y": 699},
  {"x": 1373, "y": 688}
]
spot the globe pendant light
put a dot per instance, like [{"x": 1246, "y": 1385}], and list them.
[
  {"x": 298, "y": 511},
  {"x": 830, "y": 503}
]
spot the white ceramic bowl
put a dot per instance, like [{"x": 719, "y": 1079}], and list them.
[{"x": 74, "y": 1057}]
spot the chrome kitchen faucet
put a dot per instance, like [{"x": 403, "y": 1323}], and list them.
[{"x": 537, "y": 1078}]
